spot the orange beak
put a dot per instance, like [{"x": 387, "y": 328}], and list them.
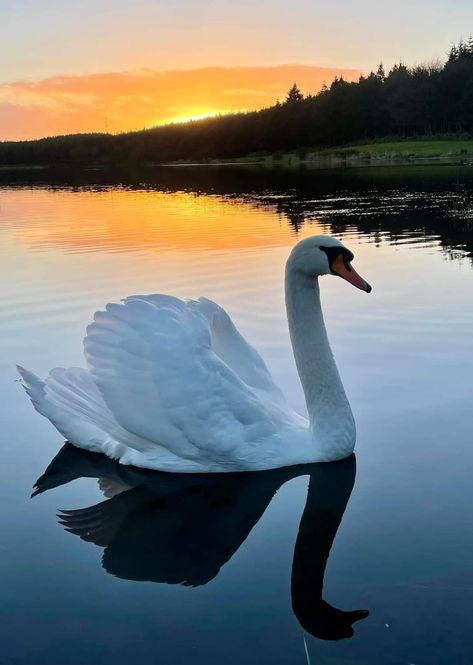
[{"x": 345, "y": 270}]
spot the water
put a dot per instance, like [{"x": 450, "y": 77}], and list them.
[{"x": 171, "y": 572}]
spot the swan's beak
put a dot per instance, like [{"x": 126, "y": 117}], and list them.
[{"x": 345, "y": 270}]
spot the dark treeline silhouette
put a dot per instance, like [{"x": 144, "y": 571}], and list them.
[{"x": 406, "y": 102}]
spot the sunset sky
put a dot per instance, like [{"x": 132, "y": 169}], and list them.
[{"x": 116, "y": 65}]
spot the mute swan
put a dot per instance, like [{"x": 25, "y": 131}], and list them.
[{"x": 172, "y": 385}]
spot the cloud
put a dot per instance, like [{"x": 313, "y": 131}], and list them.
[{"x": 121, "y": 101}]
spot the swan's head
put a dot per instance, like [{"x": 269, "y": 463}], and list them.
[{"x": 324, "y": 255}]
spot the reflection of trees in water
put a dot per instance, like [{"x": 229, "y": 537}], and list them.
[
  {"x": 296, "y": 218},
  {"x": 385, "y": 204},
  {"x": 424, "y": 221}
]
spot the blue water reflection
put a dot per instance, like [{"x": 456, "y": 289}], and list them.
[{"x": 181, "y": 529}]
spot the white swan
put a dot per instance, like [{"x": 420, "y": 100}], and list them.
[{"x": 172, "y": 385}]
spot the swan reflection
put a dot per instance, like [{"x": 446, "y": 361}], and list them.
[{"x": 182, "y": 528}]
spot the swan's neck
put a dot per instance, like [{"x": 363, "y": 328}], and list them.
[{"x": 330, "y": 415}]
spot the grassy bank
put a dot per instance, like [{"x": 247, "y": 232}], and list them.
[
  {"x": 419, "y": 148},
  {"x": 440, "y": 151},
  {"x": 443, "y": 151}
]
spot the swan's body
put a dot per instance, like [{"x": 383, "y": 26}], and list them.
[{"x": 172, "y": 385}]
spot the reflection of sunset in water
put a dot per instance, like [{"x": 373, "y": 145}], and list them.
[{"x": 122, "y": 220}]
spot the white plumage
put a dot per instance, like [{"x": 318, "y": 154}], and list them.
[{"x": 173, "y": 385}]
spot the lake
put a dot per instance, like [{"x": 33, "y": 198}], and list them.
[{"x": 110, "y": 564}]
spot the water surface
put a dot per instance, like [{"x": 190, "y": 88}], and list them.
[{"x": 226, "y": 569}]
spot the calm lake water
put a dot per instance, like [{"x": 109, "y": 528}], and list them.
[{"x": 169, "y": 570}]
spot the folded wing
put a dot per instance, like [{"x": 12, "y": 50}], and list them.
[{"x": 180, "y": 376}]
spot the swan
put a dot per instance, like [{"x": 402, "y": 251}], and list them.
[{"x": 172, "y": 385}]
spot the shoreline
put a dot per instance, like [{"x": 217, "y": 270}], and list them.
[
  {"x": 381, "y": 154},
  {"x": 326, "y": 163}
]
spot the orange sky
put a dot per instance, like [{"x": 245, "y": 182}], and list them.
[
  {"x": 121, "y": 101},
  {"x": 198, "y": 57}
]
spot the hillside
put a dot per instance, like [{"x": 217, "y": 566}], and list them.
[{"x": 418, "y": 102}]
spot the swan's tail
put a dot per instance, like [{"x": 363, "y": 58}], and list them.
[
  {"x": 72, "y": 402},
  {"x": 70, "y": 399},
  {"x": 33, "y": 385},
  {"x": 63, "y": 395}
]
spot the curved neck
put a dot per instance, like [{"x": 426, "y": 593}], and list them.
[{"x": 330, "y": 415}]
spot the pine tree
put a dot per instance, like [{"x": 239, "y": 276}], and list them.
[
  {"x": 469, "y": 45},
  {"x": 453, "y": 54},
  {"x": 380, "y": 72},
  {"x": 294, "y": 95}
]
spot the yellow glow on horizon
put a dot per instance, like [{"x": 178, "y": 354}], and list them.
[
  {"x": 128, "y": 101},
  {"x": 198, "y": 116}
]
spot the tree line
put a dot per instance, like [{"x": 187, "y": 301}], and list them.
[{"x": 406, "y": 102}]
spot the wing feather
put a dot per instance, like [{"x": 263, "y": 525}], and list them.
[{"x": 154, "y": 361}]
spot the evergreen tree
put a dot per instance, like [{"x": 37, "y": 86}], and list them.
[
  {"x": 452, "y": 54},
  {"x": 294, "y": 95},
  {"x": 380, "y": 72}
]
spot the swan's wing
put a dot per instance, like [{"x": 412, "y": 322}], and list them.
[
  {"x": 153, "y": 362},
  {"x": 230, "y": 345}
]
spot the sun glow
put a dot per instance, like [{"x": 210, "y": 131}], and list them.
[
  {"x": 193, "y": 118},
  {"x": 128, "y": 101}
]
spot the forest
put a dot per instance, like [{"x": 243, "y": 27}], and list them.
[{"x": 432, "y": 100}]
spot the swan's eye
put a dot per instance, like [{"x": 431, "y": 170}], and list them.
[
  {"x": 334, "y": 252},
  {"x": 339, "y": 259}
]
